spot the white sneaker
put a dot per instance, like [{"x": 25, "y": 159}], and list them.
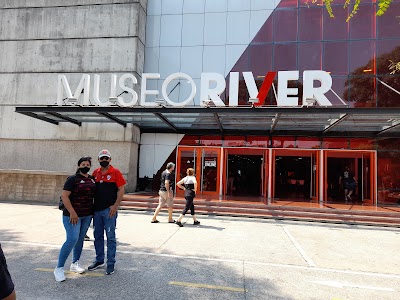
[
  {"x": 59, "y": 274},
  {"x": 75, "y": 267}
]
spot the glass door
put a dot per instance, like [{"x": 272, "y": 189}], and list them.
[
  {"x": 314, "y": 176},
  {"x": 210, "y": 161}
]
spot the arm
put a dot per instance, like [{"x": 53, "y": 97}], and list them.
[
  {"x": 73, "y": 218},
  {"x": 120, "y": 195},
  {"x": 179, "y": 184},
  {"x": 195, "y": 186}
]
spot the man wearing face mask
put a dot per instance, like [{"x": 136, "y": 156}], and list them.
[{"x": 110, "y": 188}]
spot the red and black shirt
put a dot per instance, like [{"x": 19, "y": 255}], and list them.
[
  {"x": 107, "y": 185},
  {"x": 82, "y": 194}
]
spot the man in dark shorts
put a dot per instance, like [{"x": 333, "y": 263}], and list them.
[
  {"x": 7, "y": 291},
  {"x": 166, "y": 193},
  {"x": 349, "y": 183}
]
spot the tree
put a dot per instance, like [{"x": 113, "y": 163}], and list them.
[{"x": 383, "y": 6}]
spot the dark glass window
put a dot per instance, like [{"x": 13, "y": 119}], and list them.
[
  {"x": 285, "y": 25},
  {"x": 285, "y": 57},
  {"x": 336, "y": 28},
  {"x": 362, "y": 91},
  {"x": 261, "y": 59},
  {"x": 339, "y": 87},
  {"x": 288, "y": 3},
  {"x": 362, "y": 54},
  {"x": 362, "y": 25},
  {"x": 387, "y": 50},
  {"x": 265, "y": 33},
  {"x": 310, "y": 56},
  {"x": 336, "y": 58},
  {"x": 389, "y": 21},
  {"x": 310, "y": 24},
  {"x": 386, "y": 97}
]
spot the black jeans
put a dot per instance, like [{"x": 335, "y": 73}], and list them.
[{"x": 189, "y": 196}]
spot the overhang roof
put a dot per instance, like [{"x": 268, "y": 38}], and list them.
[{"x": 243, "y": 120}]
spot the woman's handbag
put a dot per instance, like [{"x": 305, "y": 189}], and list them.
[{"x": 61, "y": 205}]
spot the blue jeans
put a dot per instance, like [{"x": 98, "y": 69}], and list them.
[
  {"x": 102, "y": 222},
  {"x": 75, "y": 235}
]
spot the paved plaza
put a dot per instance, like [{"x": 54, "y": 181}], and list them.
[{"x": 223, "y": 258}]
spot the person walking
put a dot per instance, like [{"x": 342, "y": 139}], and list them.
[
  {"x": 166, "y": 193},
  {"x": 189, "y": 184},
  {"x": 77, "y": 197},
  {"x": 7, "y": 291},
  {"x": 349, "y": 183},
  {"x": 110, "y": 188}
]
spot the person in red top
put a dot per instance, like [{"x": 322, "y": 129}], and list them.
[{"x": 110, "y": 188}]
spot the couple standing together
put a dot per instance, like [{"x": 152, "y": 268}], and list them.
[
  {"x": 85, "y": 197},
  {"x": 166, "y": 194}
]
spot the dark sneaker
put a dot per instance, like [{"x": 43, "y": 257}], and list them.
[
  {"x": 95, "y": 265},
  {"x": 179, "y": 224},
  {"x": 196, "y": 223},
  {"x": 110, "y": 270}
]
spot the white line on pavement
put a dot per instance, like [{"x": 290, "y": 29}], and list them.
[
  {"x": 299, "y": 248},
  {"x": 328, "y": 270},
  {"x": 342, "y": 285}
]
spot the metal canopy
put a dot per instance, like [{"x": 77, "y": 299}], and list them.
[{"x": 244, "y": 120}]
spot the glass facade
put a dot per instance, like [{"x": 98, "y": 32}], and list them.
[{"x": 296, "y": 36}]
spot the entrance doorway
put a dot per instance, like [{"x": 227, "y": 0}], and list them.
[
  {"x": 244, "y": 175},
  {"x": 295, "y": 175},
  {"x": 361, "y": 165}
]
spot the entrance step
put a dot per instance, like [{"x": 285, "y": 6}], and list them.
[{"x": 149, "y": 202}]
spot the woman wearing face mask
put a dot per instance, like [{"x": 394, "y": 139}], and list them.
[{"x": 77, "y": 196}]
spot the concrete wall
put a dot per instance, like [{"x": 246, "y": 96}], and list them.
[
  {"x": 21, "y": 185},
  {"x": 40, "y": 39}
]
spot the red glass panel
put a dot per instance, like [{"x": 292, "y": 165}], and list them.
[
  {"x": 362, "y": 54},
  {"x": 189, "y": 140},
  {"x": 308, "y": 143},
  {"x": 258, "y": 141},
  {"x": 243, "y": 63},
  {"x": 389, "y": 21},
  {"x": 335, "y": 143},
  {"x": 388, "y": 144},
  {"x": 339, "y": 86},
  {"x": 283, "y": 142},
  {"x": 288, "y": 3},
  {"x": 362, "y": 25},
  {"x": 362, "y": 144},
  {"x": 336, "y": 28},
  {"x": 234, "y": 141},
  {"x": 210, "y": 141},
  {"x": 310, "y": 24},
  {"x": 336, "y": 58},
  {"x": 285, "y": 57},
  {"x": 265, "y": 33},
  {"x": 310, "y": 56},
  {"x": 385, "y": 96},
  {"x": 261, "y": 59},
  {"x": 387, "y": 50},
  {"x": 362, "y": 91},
  {"x": 285, "y": 25},
  {"x": 388, "y": 177}
]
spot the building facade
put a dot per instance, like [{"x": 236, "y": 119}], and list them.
[{"x": 292, "y": 153}]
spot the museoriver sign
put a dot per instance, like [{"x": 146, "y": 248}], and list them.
[{"x": 212, "y": 85}]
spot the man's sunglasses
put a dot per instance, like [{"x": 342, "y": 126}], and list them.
[{"x": 104, "y": 158}]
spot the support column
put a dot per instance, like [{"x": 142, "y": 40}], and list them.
[
  {"x": 321, "y": 176},
  {"x": 269, "y": 175},
  {"x": 221, "y": 188}
]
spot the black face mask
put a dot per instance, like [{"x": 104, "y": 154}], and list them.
[
  {"x": 104, "y": 164},
  {"x": 84, "y": 170}
]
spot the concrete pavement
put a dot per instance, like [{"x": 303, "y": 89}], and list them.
[{"x": 230, "y": 258}]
